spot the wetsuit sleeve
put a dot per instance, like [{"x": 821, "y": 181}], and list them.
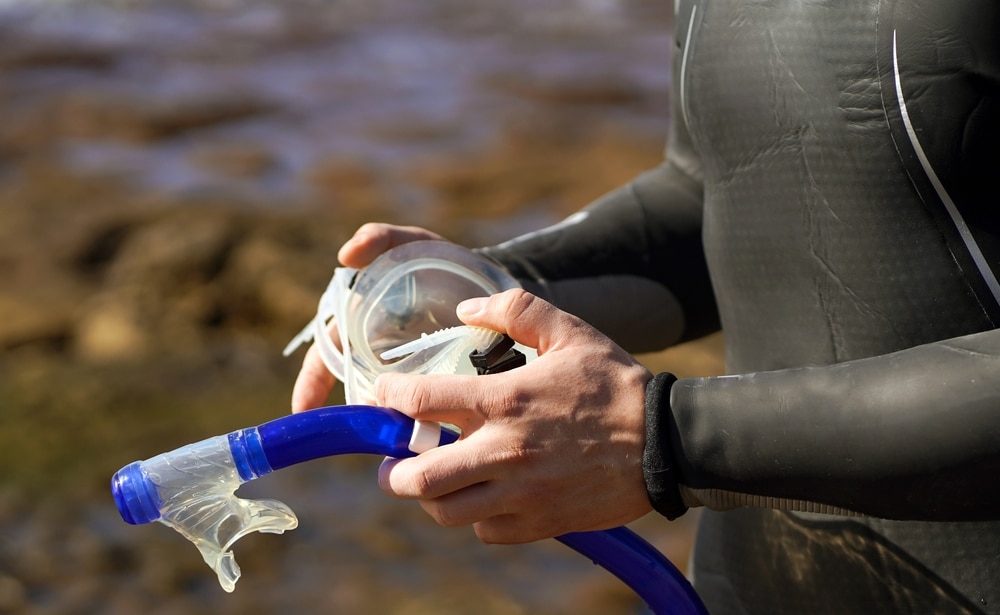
[
  {"x": 632, "y": 263},
  {"x": 909, "y": 435}
]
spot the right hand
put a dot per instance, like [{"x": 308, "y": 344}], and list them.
[
  {"x": 314, "y": 382},
  {"x": 553, "y": 447}
]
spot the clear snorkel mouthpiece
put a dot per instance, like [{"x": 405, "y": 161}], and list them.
[
  {"x": 398, "y": 315},
  {"x": 192, "y": 489}
]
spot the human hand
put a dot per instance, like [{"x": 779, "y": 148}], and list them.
[
  {"x": 314, "y": 382},
  {"x": 549, "y": 448}
]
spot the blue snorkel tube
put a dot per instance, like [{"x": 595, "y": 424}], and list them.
[{"x": 192, "y": 489}]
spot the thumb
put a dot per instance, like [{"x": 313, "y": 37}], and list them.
[
  {"x": 528, "y": 319},
  {"x": 374, "y": 238}
]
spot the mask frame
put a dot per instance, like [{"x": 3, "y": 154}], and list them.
[{"x": 407, "y": 294}]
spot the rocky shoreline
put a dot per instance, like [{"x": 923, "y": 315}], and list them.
[{"x": 167, "y": 223}]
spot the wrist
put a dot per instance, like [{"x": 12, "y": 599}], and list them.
[{"x": 658, "y": 467}]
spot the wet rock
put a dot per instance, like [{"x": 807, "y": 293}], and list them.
[
  {"x": 140, "y": 118},
  {"x": 412, "y": 129},
  {"x": 584, "y": 89},
  {"x": 487, "y": 602},
  {"x": 56, "y": 236},
  {"x": 180, "y": 280},
  {"x": 234, "y": 160},
  {"x": 50, "y": 217},
  {"x": 125, "y": 601},
  {"x": 252, "y": 32},
  {"x": 96, "y": 249},
  {"x": 39, "y": 315},
  {"x": 357, "y": 191},
  {"x": 279, "y": 281},
  {"x": 183, "y": 247},
  {"x": 13, "y": 595},
  {"x": 20, "y": 52},
  {"x": 158, "y": 291},
  {"x": 535, "y": 164},
  {"x": 110, "y": 330},
  {"x": 78, "y": 593}
]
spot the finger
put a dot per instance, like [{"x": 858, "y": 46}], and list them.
[
  {"x": 465, "y": 401},
  {"x": 497, "y": 516},
  {"x": 466, "y": 506},
  {"x": 435, "y": 473},
  {"x": 374, "y": 238},
  {"x": 503, "y": 530},
  {"x": 313, "y": 384},
  {"x": 528, "y": 319},
  {"x": 506, "y": 529},
  {"x": 517, "y": 525}
]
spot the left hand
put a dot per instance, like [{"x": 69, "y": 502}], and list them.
[
  {"x": 549, "y": 448},
  {"x": 314, "y": 382}
]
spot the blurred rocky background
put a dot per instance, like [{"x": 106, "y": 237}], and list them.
[{"x": 175, "y": 179}]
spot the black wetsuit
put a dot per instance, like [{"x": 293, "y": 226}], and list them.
[{"x": 828, "y": 199}]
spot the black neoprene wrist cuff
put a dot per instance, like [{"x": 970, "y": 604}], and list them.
[{"x": 657, "y": 460}]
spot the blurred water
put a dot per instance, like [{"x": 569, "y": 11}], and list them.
[{"x": 347, "y": 77}]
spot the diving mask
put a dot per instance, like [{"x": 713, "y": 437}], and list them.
[{"x": 398, "y": 315}]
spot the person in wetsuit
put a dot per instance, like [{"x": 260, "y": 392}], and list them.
[{"x": 827, "y": 199}]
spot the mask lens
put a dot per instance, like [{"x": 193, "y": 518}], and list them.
[
  {"x": 421, "y": 302},
  {"x": 412, "y": 290}
]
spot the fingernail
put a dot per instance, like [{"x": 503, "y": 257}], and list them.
[{"x": 471, "y": 307}]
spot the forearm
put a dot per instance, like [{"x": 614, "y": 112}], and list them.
[
  {"x": 910, "y": 435},
  {"x": 631, "y": 263}
]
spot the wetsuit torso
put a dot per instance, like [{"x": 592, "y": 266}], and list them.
[{"x": 827, "y": 199}]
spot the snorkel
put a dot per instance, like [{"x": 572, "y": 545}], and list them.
[{"x": 193, "y": 489}]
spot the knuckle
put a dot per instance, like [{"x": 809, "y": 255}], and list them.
[
  {"x": 417, "y": 401},
  {"x": 370, "y": 228},
  {"x": 401, "y": 393},
  {"x": 516, "y": 301},
  {"x": 530, "y": 495},
  {"x": 420, "y": 484},
  {"x": 501, "y": 530},
  {"x": 485, "y": 534},
  {"x": 446, "y": 517},
  {"x": 498, "y": 400},
  {"x": 514, "y": 456}
]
